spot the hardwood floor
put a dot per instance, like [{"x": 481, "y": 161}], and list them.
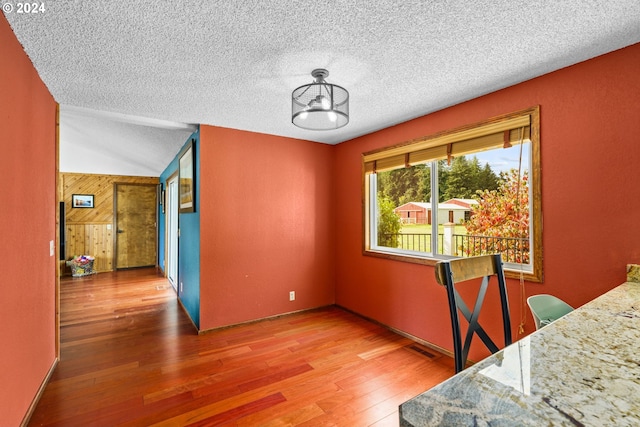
[{"x": 131, "y": 357}]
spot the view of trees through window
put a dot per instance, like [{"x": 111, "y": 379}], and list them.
[{"x": 485, "y": 208}]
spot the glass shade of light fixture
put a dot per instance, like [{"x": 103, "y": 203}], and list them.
[{"x": 320, "y": 105}]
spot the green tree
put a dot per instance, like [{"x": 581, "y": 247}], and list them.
[
  {"x": 502, "y": 213},
  {"x": 458, "y": 180},
  {"x": 466, "y": 176},
  {"x": 388, "y": 222},
  {"x": 403, "y": 185},
  {"x": 425, "y": 184},
  {"x": 487, "y": 179},
  {"x": 443, "y": 179}
]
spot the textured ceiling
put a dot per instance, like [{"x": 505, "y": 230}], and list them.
[{"x": 235, "y": 64}]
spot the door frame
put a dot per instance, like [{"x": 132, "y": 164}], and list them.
[
  {"x": 172, "y": 213},
  {"x": 115, "y": 223}
]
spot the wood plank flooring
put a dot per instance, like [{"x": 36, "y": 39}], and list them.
[{"x": 131, "y": 357}]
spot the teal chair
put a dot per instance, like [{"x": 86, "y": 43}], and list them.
[{"x": 547, "y": 308}]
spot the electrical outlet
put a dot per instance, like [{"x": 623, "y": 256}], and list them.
[{"x": 292, "y": 295}]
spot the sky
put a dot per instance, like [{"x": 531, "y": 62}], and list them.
[{"x": 505, "y": 159}]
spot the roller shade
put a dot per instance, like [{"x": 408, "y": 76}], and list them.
[{"x": 499, "y": 132}]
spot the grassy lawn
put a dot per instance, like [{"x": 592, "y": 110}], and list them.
[
  {"x": 426, "y": 229},
  {"x": 421, "y": 243}
]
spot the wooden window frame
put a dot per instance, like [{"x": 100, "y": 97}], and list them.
[{"x": 460, "y": 141}]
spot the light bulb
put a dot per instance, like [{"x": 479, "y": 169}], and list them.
[
  {"x": 303, "y": 115},
  {"x": 332, "y": 116}
]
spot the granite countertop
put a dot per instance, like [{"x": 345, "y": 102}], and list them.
[{"x": 581, "y": 370}]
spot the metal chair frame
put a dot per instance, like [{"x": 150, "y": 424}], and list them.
[{"x": 450, "y": 274}]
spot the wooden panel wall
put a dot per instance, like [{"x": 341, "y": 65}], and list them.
[
  {"x": 90, "y": 231},
  {"x": 91, "y": 239}
]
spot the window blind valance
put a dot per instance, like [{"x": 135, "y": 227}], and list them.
[{"x": 503, "y": 131}]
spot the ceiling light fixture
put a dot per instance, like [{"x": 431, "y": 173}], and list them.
[{"x": 320, "y": 105}]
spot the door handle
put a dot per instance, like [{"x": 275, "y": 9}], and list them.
[{"x": 120, "y": 231}]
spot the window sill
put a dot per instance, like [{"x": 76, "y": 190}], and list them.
[{"x": 511, "y": 271}]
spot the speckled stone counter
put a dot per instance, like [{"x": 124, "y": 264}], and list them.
[{"x": 582, "y": 370}]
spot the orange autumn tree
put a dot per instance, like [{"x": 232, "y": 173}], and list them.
[{"x": 504, "y": 215}]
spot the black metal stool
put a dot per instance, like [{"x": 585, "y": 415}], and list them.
[{"x": 450, "y": 274}]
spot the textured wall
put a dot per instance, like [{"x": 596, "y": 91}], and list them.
[
  {"x": 189, "y": 241},
  {"x": 590, "y": 199},
  {"x": 267, "y": 217},
  {"x": 27, "y": 225}
]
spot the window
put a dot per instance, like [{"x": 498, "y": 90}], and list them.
[{"x": 464, "y": 192}]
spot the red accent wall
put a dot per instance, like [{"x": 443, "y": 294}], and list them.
[
  {"x": 266, "y": 225},
  {"x": 27, "y": 224},
  {"x": 590, "y": 148}
]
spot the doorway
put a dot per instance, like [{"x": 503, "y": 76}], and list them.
[
  {"x": 172, "y": 230},
  {"x": 136, "y": 237}
]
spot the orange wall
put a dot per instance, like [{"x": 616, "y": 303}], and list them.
[
  {"x": 590, "y": 148},
  {"x": 27, "y": 224},
  {"x": 266, "y": 225}
]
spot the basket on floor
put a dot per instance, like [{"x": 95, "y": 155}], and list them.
[{"x": 81, "y": 266}]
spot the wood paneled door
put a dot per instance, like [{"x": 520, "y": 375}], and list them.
[{"x": 136, "y": 225}]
